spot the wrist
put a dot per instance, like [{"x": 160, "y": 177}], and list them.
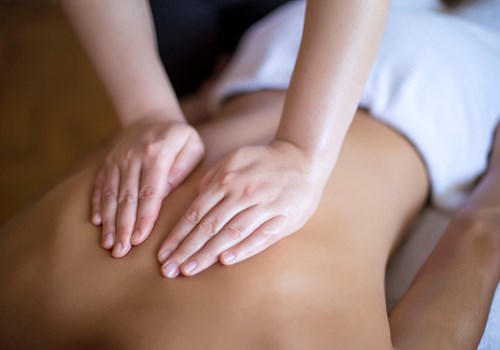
[
  {"x": 316, "y": 157},
  {"x": 315, "y": 164},
  {"x": 322, "y": 148},
  {"x": 153, "y": 116}
]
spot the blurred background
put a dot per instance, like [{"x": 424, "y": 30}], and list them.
[{"x": 53, "y": 110}]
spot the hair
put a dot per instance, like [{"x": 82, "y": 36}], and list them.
[{"x": 455, "y": 3}]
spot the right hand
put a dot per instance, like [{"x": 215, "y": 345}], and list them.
[{"x": 150, "y": 159}]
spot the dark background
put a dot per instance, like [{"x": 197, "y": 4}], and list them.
[{"x": 53, "y": 110}]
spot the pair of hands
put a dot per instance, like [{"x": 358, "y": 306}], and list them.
[{"x": 252, "y": 198}]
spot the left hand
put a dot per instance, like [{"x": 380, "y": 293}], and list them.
[{"x": 254, "y": 197}]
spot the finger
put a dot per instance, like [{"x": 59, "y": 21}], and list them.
[
  {"x": 197, "y": 210},
  {"x": 267, "y": 234},
  {"x": 127, "y": 208},
  {"x": 187, "y": 159},
  {"x": 236, "y": 230},
  {"x": 153, "y": 189},
  {"x": 109, "y": 204},
  {"x": 208, "y": 227},
  {"x": 96, "y": 217}
]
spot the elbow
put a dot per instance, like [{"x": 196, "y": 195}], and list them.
[{"x": 480, "y": 236}]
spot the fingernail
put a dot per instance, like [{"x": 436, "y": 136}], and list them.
[
  {"x": 170, "y": 270},
  {"x": 121, "y": 249},
  {"x": 108, "y": 240},
  {"x": 96, "y": 219},
  {"x": 228, "y": 257},
  {"x": 117, "y": 249},
  {"x": 136, "y": 237},
  {"x": 190, "y": 266},
  {"x": 164, "y": 255}
]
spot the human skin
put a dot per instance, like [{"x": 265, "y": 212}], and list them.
[
  {"x": 457, "y": 282},
  {"x": 259, "y": 195},
  {"x": 157, "y": 148},
  {"x": 338, "y": 48},
  {"x": 320, "y": 288}
]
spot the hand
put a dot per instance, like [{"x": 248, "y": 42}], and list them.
[
  {"x": 150, "y": 159},
  {"x": 254, "y": 197}
]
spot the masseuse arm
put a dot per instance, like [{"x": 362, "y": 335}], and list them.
[
  {"x": 339, "y": 44},
  {"x": 119, "y": 38},
  {"x": 157, "y": 149},
  {"x": 258, "y": 195}
]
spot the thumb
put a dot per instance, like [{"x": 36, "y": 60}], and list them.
[{"x": 185, "y": 162}]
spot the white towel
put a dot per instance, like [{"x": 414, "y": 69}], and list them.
[{"x": 435, "y": 80}]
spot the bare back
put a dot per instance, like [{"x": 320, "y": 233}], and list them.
[{"x": 60, "y": 289}]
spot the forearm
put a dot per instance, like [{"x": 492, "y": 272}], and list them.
[
  {"x": 120, "y": 41},
  {"x": 447, "y": 305},
  {"x": 338, "y": 48}
]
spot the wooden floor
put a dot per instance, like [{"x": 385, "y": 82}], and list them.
[{"x": 52, "y": 107}]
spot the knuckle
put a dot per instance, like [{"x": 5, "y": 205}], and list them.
[
  {"x": 235, "y": 232},
  {"x": 269, "y": 199},
  {"x": 96, "y": 196},
  {"x": 129, "y": 153},
  {"x": 126, "y": 160},
  {"x": 193, "y": 216},
  {"x": 268, "y": 235},
  {"x": 208, "y": 227},
  {"x": 152, "y": 149},
  {"x": 248, "y": 190},
  {"x": 147, "y": 192},
  {"x": 108, "y": 193},
  {"x": 226, "y": 177},
  {"x": 127, "y": 198}
]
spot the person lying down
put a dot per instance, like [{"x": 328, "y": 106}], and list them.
[
  {"x": 448, "y": 118},
  {"x": 320, "y": 288}
]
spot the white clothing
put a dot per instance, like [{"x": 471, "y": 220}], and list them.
[{"x": 436, "y": 80}]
